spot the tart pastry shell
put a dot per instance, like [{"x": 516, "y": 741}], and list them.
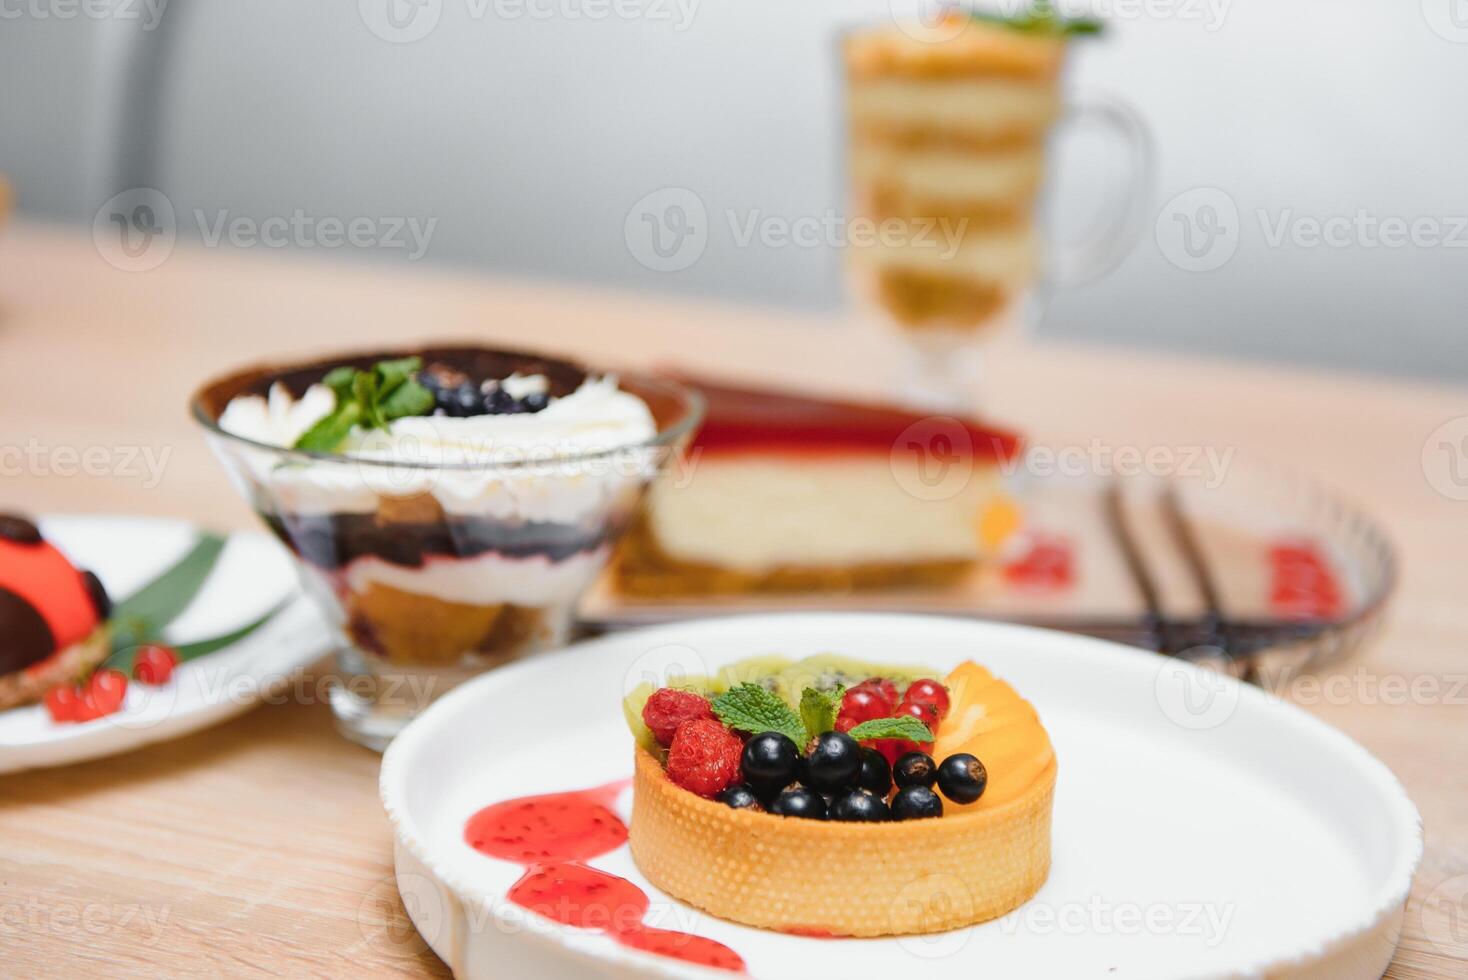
[{"x": 815, "y": 877}]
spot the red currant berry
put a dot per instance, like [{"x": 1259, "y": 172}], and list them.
[
  {"x": 925, "y": 713},
  {"x": 893, "y": 749},
  {"x": 154, "y": 664},
  {"x": 64, "y": 702},
  {"x": 884, "y": 689},
  {"x": 863, "y": 704},
  {"x": 105, "y": 693},
  {"x": 928, "y": 691}
]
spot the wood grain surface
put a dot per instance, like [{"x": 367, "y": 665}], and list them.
[{"x": 259, "y": 848}]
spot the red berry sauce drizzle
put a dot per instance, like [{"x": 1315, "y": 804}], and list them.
[
  {"x": 1303, "y": 584},
  {"x": 553, "y": 836},
  {"x": 1049, "y": 565}
]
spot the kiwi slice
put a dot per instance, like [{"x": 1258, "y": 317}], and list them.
[
  {"x": 827, "y": 671},
  {"x": 777, "y": 674}
]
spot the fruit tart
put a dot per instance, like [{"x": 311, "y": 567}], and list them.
[
  {"x": 832, "y": 797},
  {"x": 52, "y": 615}
]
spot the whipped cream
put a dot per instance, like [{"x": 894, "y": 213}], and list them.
[
  {"x": 522, "y": 466},
  {"x": 280, "y": 419}
]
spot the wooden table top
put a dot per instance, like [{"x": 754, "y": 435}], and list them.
[{"x": 259, "y": 846}]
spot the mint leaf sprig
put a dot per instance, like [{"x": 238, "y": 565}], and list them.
[
  {"x": 371, "y": 399},
  {"x": 750, "y": 708},
  {"x": 906, "y": 728},
  {"x": 818, "y": 709},
  {"x": 1040, "y": 17}
]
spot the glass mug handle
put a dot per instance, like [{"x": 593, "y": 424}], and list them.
[{"x": 1112, "y": 235}]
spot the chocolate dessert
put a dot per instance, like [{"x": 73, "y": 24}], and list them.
[{"x": 52, "y": 615}]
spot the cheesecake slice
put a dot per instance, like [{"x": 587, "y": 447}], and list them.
[{"x": 784, "y": 493}]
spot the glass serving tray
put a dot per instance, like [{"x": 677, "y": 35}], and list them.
[{"x": 1263, "y": 574}]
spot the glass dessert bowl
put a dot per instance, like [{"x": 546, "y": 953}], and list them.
[{"x": 447, "y": 506}]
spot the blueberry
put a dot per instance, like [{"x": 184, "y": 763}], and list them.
[
  {"x": 962, "y": 778},
  {"x": 915, "y": 769},
  {"x": 876, "y": 774},
  {"x": 858, "y": 805},
  {"x": 916, "y": 803},
  {"x": 740, "y": 797},
  {"x": 770, "y": 761},
  {"x": 800, "y": 803},
  {"x": 461, "y": 401},
  {"x": 536, "y": 401},
  {"x": 833, "y": 763},
  {"x": 498, "y": 401}
]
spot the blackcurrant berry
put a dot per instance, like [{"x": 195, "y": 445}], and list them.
[
  {"x": 915, "y": 769},
  {"x": 833, "y": 763},
  {"x": 858, "y": 805},
  {"x": 876, "y": 773},
  {"x": 962, "y": 778},
  {"x": 740, "y": 797},
  {"x": 916, "y": 803},
  {"x": 800, "y": 802},
  {"x": 770, "y": 760}
]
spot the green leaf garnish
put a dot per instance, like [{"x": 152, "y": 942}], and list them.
[
  {"x": 146, "y": 612},
  {"x": 142, "y": 617},
  {"x": 123, "y": 658},
  {"x": 750, "y": 708},
  {"x": 371, "y": 399},
  {"x": 818, "y": 709},
  {"x": 907, "y": 727},
  {"x": 1040, "y": 17}
]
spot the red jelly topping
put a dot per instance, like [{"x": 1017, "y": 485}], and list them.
[
  {"x": 746, "y": 419},
  {"x": 553, "y": 835}
]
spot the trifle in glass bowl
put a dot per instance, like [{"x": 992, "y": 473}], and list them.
[{"x": 447, "y": 506}]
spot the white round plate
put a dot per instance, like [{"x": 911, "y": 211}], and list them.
[
  {"x": 254, "y": 574},
  {"x": 1201, "y": 828}
]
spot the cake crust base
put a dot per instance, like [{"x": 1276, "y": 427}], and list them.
[
  {"x": 31, "y": 684},
  {"x": 643, "y": 570},
  {"x": 814, "y": 877}
]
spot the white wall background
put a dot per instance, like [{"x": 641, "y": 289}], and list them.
[{"x": 529, "y": 128}]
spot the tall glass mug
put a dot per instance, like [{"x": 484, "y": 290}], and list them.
[{"x": 948, "y": 120}]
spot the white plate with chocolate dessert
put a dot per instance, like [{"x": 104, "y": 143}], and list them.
[
  {"x": 123, "y": 631},
  {"x": 1197, "y": 827}
]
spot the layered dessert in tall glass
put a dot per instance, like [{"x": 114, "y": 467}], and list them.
[
  {"x": 947, "y": 126},
  {"x": 448, "y": 506}
]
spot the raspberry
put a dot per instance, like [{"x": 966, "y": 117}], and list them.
[
  {"x": 704, "y": 757},
  {"x": 668, "y": 708}
]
